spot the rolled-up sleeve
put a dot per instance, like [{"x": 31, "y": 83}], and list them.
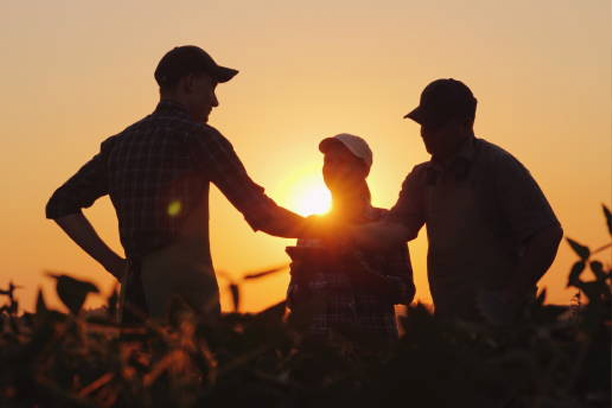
[
  {"x": 82, "y": 189},
  {"x": 409, "y": 210},
  {"x": 521, "y": 200}
]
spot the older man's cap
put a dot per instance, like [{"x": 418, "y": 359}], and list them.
[
  {"x": 189, "y": 59},
  {"x": 442, "y": 100}
]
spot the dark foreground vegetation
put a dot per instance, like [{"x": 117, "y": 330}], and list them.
[{"x": 556, "y": 357}]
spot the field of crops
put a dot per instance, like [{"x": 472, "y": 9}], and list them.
[{"x": 557, "y": 356}]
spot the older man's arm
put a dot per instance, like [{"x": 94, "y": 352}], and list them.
[
  {"x": 531, "y": 221},
  {"x": 540, "y": 251},
  {"x": 381, "y": 235},
  {"x": 403, "y": 221}
]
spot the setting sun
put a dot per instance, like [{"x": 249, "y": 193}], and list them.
[{"x": 309, "y": 196}]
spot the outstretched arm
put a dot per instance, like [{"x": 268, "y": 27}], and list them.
[
  {"x": 284, "y": 223},
  {"x": 403, "y": 221},
  {"x": 80, "y": 230},
  {"x": 381, "y": 235},
  {"x": 215, "y": 155}
]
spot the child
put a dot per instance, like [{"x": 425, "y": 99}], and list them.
[{"x": 345, "y": 290}]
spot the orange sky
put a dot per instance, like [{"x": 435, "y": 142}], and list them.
[{"x": 74, "y": 73}]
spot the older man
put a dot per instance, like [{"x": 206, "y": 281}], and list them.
[
  {"x": 157, "y": 173},
  {"x": 491, "y": 232}
]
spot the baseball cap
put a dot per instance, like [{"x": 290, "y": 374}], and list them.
[
  {"x": 442, "y": 100},
  {"x": 189, "y": 59},
  {"x": 354, "y": 144}
]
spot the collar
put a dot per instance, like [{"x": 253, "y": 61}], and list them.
[
  {"x": 466, "y": 153},
  {"x": 172, "y": 108},
  {"x": 459, "y": 164},
  {"x": 467, "y": 150}
]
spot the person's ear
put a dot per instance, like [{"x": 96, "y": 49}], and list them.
[
  {"x": 365, "y": 170},
  {"x": 187, "y": 83},
  {"x": 461, "y": 124}
]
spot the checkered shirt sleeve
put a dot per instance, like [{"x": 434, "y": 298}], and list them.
[
  {"x": 215, "y": 155},
  {"x": 157, "y": 171}
]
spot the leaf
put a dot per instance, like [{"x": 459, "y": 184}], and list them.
[
  {"x": 608, "y": 216},
  {"x": 541, "y": 297},
  {"x": 594, "y": 291},
  {"x": 73, "y": 292},
  {"x": 582, "y": 251},
  {"x": 256, "y": 275},
  {"x": 597, "y": 268},
  {"x": 235, "y": 291},
  {"x": 41, "y": 305},
  {"x": 574, "y": 276}
]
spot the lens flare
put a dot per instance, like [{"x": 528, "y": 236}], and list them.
[{"x": 174, "y": 208}]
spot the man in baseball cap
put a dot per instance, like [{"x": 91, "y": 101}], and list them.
[
  {"x": 492, "y": 234},
  {"x": 157, "y": 173},
  {"x": 189, "y": 59},
  {"x": 443, "y": 100},
  {"x": 445, "y": 103}
]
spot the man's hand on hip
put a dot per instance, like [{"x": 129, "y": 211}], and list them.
[{"x": 78, "y": 228}]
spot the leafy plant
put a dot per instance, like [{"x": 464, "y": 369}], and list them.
[
  {"x": 234, "y": 285},
  {"x": 557, "y": 356}
]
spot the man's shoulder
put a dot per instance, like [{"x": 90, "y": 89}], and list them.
[
  {"x": 206, "y": 133},
  {"x": 421, "y": 167},
  {"x": 209, "y": 131},
  {"x": 497, "y": 158},
  {"x": 174, "y": 126},
  {"x": 418, "y": 174},
  {"x": 172, "y": 122},
  {"x": 494, "y": 152}
]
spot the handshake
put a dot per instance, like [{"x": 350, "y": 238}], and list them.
[{"x": 311, "y": 263}]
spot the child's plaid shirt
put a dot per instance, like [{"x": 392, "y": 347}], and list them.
[{"x": 351, "y": 293}]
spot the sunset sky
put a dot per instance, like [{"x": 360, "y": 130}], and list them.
[{"x": 76, "y": 72}]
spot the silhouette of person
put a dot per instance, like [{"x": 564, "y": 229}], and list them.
[
  {"x": 491, "y": 232},
  {"x": 353, "y": 292},
  {"x": 157, "y": 173}
]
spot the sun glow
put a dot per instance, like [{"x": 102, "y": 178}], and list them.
[{"x": 308, "y": 196}]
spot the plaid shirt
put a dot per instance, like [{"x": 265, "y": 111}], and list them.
[
  {"x": 157, "y": 171},
  {"x": 338, "y": 295}
]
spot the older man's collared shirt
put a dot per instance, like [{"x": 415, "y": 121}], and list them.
[
  {"x": 478, "y": 211},
  {"x": 157, "y": 173}
]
